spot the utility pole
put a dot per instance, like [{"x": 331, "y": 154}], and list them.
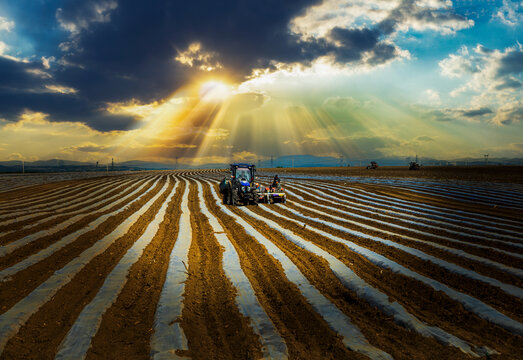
[
  {"x": 97, "y": 166},
  {"x": 486, "y": 159},
  {"x": 112, "y": 164},
  {"x": 259, "y": 163}
]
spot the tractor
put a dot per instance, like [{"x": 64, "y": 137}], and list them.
[
  {"x": 413, "y": 165},
  {"x": 373, "y": 165},
  {"x": 240, "y": 188}
]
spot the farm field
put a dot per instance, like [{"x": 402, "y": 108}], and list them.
[
  {"x": 153, "y": 265},
  {"x": 18, "y": 181},
  {"x": 491, "y": 173}
]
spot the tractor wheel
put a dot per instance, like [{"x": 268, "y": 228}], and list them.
[
  {"x": 225, "y": 198},
  {"x": 235, "y": 199}
]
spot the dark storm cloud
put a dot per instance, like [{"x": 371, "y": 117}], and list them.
[
  {"x": 62, "y": 107},
  {"x": 113, "y": 51},
  {"x": 16, "y": 75},
  {"x": 353, "y": 42},
  {"x": 477, "y": 112},
  {"x": 126, "y": 50},
  {"x": 509, "y": 84},
  {"x": 381, "y": 54},
  {"x": 23, "y": 87},
  {"x": 132, "y": 55},
  {"x": 75, "y": 16},
  {"x": 511, "y": 63}
]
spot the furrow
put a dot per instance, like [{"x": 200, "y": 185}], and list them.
[
  {"x": 424, "y": 233},
  {"x": 376, "y": 298},
  {"x": 364, "y": 195},
  {"x": 273, "y": 345},
  {"x": 32, "y": 217},
  {"x": 59, "y": 195},
  {"x": 470, "y": 303},
  {"x": 78, "y": 339},
  {"x": 34, "y": 306},
  {"x": 421, "y": 216},
  {"x": 6, "y": 249},
  {"x": 56, "y": 218},
  {"x": 6, "y": 273},
  {"x": 168, "y": 336},
  {"x": 352, "y": 336}
]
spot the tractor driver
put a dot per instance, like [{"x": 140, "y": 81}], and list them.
[
  {"x": 276, "y": 182},
  {"x": 243, "y": 174}
]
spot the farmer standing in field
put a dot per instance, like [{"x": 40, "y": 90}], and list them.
[{"x": 276, "y": 182}]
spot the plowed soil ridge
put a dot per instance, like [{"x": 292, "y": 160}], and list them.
[{"x": 411, "y": 269}]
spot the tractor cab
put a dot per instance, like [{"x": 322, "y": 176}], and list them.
[
  {"x": 241, "y": 187},
  {"x": 244, "y": 173}
]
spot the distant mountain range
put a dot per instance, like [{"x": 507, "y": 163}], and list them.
[{"x": 58, "y": 165}]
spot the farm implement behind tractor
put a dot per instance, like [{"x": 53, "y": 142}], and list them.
[
  {"x": 242, "y": 189},
  {"x": 271, "y": 195}
]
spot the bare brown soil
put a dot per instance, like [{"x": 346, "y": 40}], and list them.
[
  {"x": 445, "y": 203},
  {"x": 421, "y": 300},
  {"x": 490, "y": 294},
  {"x": 473, "y": 265},
  {"x": 306, "y": 334},
  {"x": 377, "y": 327},
  {"x": 210, "y": 299},
  {"x": 40, "y": 337},
  {"x": 493, "y": 173},
  {"x": 211, "y": 320},
  {"x": 127, "y": 325},
  {"x": 29, "y": 229}
]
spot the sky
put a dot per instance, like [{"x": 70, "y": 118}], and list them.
[{"x": 208, "y": 81}]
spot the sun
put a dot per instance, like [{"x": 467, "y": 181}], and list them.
[{"x": 215, "y": 91}]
